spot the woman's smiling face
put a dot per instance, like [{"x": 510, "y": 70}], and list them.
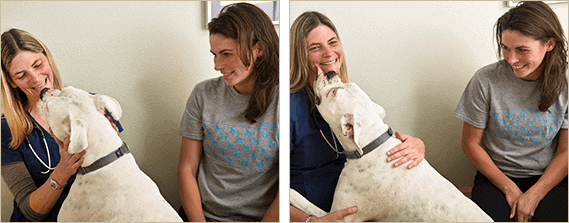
[
  {"x": 324, "y": 50},
  {"x": 524, "y": 54},
  {"x": 31, "y": 72},
  {"x": 227, "y": 61}
]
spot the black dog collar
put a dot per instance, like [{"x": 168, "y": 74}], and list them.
[
  {"x": 371, "y": 146},
  {"x": 106, "y": 160}
]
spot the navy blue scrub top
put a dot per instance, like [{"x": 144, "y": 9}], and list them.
[{"x": 314, "y": 166}]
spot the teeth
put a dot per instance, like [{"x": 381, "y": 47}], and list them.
[
  {"x": 328, "y": 63},
  {"x": 41, "y": 86},
  {"x": 518, "y": 67}
]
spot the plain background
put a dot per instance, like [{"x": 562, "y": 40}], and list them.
[{"x": 413, "y": 58}]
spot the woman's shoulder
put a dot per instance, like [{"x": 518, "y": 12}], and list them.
[
  {"x": 210, "y": 85},
  {"x": 492, "y": 71},
  {"x": 211, "y": 82},
  {"x": 297, "y": 97},
  {"x": 5, "y": 127},
  {"x": 298, "y": 104}
]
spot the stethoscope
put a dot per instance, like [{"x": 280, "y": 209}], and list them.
[{"x": 48, "y": 166}]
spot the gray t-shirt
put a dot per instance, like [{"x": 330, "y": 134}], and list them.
[
  {"x": 238, "y": 173},
  {"x": 520, "y": 139}
]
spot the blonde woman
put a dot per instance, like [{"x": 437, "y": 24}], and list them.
[
  {"x": 36, "y": 167},
  {"x": 316, "y": 160}
]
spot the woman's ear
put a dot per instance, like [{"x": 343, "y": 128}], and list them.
[
  {"x": 550, "y": 44},
  {"x": 258, "y": 50}
]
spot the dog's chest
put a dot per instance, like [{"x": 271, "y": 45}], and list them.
[
  {"x": 105, "y": 191},
  {"x": 372, "y": 167}
]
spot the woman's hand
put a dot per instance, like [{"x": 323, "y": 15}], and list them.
[
  {"x": 68, "y": 163},
  {"x": 411, "y": 148},
  {"x": 337, "y": 216},
  {"x": 524, "y": 207}
]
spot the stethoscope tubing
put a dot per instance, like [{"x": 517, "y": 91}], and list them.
[{"x": 48, "y": 166}]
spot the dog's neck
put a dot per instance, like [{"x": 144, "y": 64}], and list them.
[
  {"x": 367, "y": 116},
  {"x": 102, "y": 137},
  {"x": 373, "y": 127}
]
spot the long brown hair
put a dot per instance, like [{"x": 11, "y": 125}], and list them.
[
  {"x": 15, "y": 104},
  {"x": 299, "y": 67},
  {"x": 249, "y": 25},
  {"x": 536, "y": 19}
]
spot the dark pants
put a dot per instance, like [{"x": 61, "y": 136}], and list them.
[
  {"x": 184, "y": 217},
  {"x": 552, "y": 208}
]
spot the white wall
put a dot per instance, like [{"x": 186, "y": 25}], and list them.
[
  {"x": 147, "y": 55},
  {"x": 415, "y": 59}
]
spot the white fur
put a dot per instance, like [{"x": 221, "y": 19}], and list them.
[
  {"x": 380, "y": 191},
  {"x": 119, "y": 191}
]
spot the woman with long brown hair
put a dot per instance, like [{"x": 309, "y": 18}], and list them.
[
  {"x": 228, "y": 167},
  {"x": 515, "y": 119}
]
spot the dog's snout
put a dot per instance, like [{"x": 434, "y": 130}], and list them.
[
  {"x": 330, "y": 74},
  {"x": 42, "y": 93}
]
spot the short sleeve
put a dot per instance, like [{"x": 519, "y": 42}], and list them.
[
  {"x": 474, "y": 106},
  {"x": 564, "y": 125},
  {"x": 9, "y": 155},
  {"x": 191, "y": 125}
]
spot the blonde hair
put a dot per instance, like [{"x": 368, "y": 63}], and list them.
[
  {"x": 299, "y": 67},
  {"x": 15, "y": 103}
]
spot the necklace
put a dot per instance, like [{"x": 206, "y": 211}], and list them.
[{"x": 335, "y": 147}]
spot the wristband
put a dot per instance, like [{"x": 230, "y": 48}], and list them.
[{"x": 307, "y": 219}]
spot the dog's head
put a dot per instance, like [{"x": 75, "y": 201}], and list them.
[
  {"x": 326, "y": 84},
  {"x": 65, "y": 112},
  {"x": 345, "y": 106}
]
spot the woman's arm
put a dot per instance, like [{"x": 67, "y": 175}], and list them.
[
  {"x": 44, "y": 198},
  {"x": 190, "y": 157},
  {"x": 296, "y": 215},
  {"x": 272, "y": 214},
  {"x": 555, "y": 172},
  {"x": 471, "y": 137},
  {"x": 411, "y": 148}
]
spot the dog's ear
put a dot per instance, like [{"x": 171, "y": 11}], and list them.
[
  {"x": 78, "y": 135},
  {"x": 380, "y": 111},
  {"x": 351, "y": 128},
  {"x": 105, "y": 103},
  {"x": 347, "y": 122}
]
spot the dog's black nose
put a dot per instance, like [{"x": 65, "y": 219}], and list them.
[
  {"x": 42, "y": 93},
  {"x": 330, "y": 74}
]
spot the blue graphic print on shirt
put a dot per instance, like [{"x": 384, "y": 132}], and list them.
[
  {"x": 251, "y": 148},
  {"x": 527, "y": 127}
]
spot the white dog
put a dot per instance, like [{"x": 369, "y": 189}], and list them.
[
  {"x": 114, "y": 188},
  {"x": 380, "y": 191}
]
